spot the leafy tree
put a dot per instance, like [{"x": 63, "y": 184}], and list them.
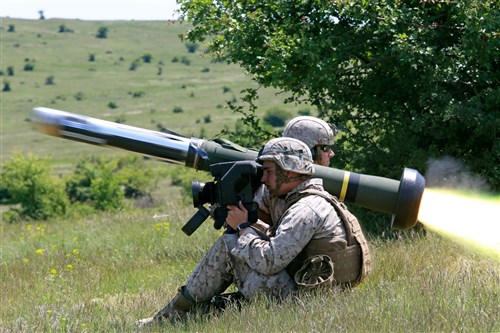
[{"x": 405, "y": 80}]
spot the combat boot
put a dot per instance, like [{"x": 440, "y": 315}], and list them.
[{"x": 175, "y": 311}]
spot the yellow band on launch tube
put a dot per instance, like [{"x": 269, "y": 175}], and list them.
[{"x": 343, "y": 191}]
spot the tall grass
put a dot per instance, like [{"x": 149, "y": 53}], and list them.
[{"x": 101, "y": 273}]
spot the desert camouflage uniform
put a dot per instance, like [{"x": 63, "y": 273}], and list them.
[{"x": 258, "y": 265}]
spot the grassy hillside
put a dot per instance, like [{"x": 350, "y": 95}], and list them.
[
  {"x": 101, "y": 273},
  {"x": 146, "y": 96}
]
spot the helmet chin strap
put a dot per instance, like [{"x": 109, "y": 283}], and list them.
[{"x": 282, "y": 178}]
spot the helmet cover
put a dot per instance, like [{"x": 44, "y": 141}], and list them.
[
  {"x": 310, "y": 130},
  {"x": 289, "y": 154}
]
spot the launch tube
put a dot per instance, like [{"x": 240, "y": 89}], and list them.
[{"x": 399, "y": 198}]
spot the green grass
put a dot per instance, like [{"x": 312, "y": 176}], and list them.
[
  {"x": 101, "y": 273},
  {"x": 65, "y": 56}
]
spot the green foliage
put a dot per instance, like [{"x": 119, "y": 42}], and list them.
[
  {"x": 102, "y": 32},
  {"x": 6, "y": 86},
  {"x": 11, "y": 28},
  {"x": 192, "y": 47},
  {"x": 277, "y": 117},
  {"x": 177, "y": 109},
  {"x": 105, "y": 183},
  {"x": 112, "y": 105},
  {"x": 49, "y": 80},
  {"x": 406, "y": 80},
  {"x": 248, "y": 131},
  {"x": 79, "y": 96},
  {"x": 30, "y": 184},
  {"x": 10, "y": 71},
  {"x": 137, "y": 177},
  {"x": 64, "y": 29},
  {"x": 29, "y": 65},
  {"x": 147, "y": 58},
  {"x": 96, "y": 182}
]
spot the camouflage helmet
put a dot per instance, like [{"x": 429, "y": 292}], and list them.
[
  {"x": 311, "y": 130},
  {"x": 290, "y": 154}
]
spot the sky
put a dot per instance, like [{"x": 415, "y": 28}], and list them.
[{"x": 94, "y": 10}]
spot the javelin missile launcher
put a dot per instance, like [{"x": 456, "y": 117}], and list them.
[{"x": 399, "y": 198}]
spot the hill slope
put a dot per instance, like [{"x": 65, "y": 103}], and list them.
[{"x": 141, "y": 74}]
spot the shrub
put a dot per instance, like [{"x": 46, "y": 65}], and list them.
[
  {"x": 134, "y": 65},
  {"x": 192, "y": 47},
  {"x": 29, "y": 65},
  {"x": 276, "y": 117},
  {"x": 6, "y": 86},
  {"x": 137, "y": 94},
  {"x": 91, "y": 57},
  {"x": 147, "y": 58},
  {"x": 63, "y": 29},
  {"x": 178, "y": 109},
  {"x": 112, "y": 105},
  {"x": 102, "y": 32},
  {"x": 304, "y": 112},
  {"x": 78, "y": 96},
  {"x": 30, "y": 183},
  {"x": 96, "y": 182},
  {"x": 137, "y": 178},
  {"x": 11, "y": 28},
  {"x": 104, "y": 183},
  {"x": 49, "y": 80},
  {"x": 10, "y": 71}
]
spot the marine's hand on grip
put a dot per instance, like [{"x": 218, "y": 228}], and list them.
[{"x": 236, "y": 215}]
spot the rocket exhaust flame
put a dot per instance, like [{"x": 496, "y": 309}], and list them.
[
  {"x": 399, "y": 198},
  {"x": 469, "y": 220}
]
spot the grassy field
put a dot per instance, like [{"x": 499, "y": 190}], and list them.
[
  {"x": 142, "y": 97},
  {"x": 102, "y": 272}
]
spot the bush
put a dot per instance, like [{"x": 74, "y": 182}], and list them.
[
  {"x": 192, "y": 47},
  {"x": 102, "y": 32},
  {"x": 134, "y": 65},
  {"x": 147, "y": 58},
  {"x": 178, "y": 109},
  {"x": 96, "y": 182},
  {"x": 112, "y": 105},
  {"x": 29, "y": 182},
  {"x": 29, "y": 65},
  {"x": 105, "y": 183},
  {"x": 79, "y": 96},
  {"x": 276, "y": 117},
  {"x": 49, "y": 80},
  {"x": 6, "y": 86}
]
